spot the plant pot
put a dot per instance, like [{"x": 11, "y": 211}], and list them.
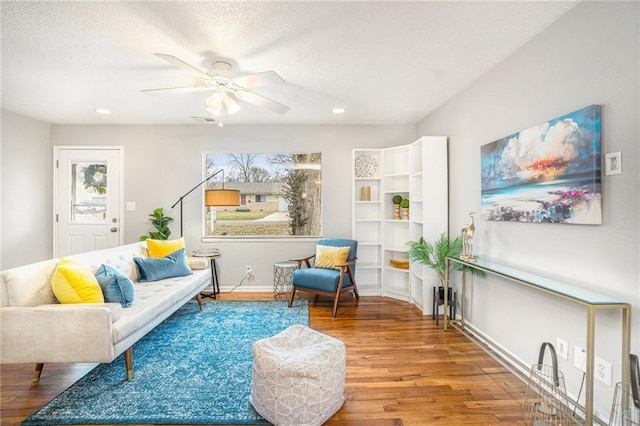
[
  {"x": 404, "y": 213},
  {"x": 396, "y": 211}
]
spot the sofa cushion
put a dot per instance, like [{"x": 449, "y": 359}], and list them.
[
  {"x": 162, "y": 248},
  {"x": 154, "y": 269},
  {"x": 328, "y": 256},
  {"x": 116, "y": 287},
  {"x": 73, "y": 282}
]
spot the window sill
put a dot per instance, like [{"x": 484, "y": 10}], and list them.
[{"x": 258, "y": 239}]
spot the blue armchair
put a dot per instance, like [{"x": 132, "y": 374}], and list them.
[{"x": 332, "y": 273}]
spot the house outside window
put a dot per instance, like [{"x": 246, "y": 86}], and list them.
[{"x": 280, "y": 195}]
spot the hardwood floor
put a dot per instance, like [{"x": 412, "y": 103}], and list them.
[{"x": 401, "y": 370}]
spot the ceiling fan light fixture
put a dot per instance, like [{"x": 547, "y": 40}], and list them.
[
  {"x": 221, "y": 103},
  {"x": 228, "y": 87},
  {"x": 213, "y": 104},
  {"x": 231, "y": 104}
]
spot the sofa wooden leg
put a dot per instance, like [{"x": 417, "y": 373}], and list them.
[
  {"x": 199, "y": 299},
  {"x": 128, "y": 362},
  {"x": 38, "y": 371}
]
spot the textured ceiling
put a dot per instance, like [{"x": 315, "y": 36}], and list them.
[{"x": 386, "y": 62}]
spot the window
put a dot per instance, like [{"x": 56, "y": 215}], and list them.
[{"x": 279, "y": 194}]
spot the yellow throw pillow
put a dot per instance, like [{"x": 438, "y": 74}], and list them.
[
  {"x": 327, "y": 256},
  {"x": 73, "y": 282},
  {"x": 163, "y": 248}
]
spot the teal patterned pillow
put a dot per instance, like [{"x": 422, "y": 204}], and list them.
[{"x": 159, "y": 268}]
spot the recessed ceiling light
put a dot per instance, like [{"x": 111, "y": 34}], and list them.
[
  {"x": 339, "y": 110},
  {"x": 102, "y": 111}
]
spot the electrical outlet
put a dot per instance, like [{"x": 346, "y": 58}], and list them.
[
  {"x": 248, "y": 270},
  {"x": 580, "y": 359},
  {"x": 603, "y": 370},
  {"x": 562, "y": 348}
]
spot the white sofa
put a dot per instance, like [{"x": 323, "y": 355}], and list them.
[{"x": 36, "y": 329}]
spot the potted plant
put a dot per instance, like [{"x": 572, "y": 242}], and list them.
[
  {"x": 404, "y": 208},
  {"x": 161, "y": 223},
  {"x": 434, "y": 254},
  {"x": 396, "y": 200}
]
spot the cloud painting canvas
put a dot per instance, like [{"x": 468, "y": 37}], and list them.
[{"x": 549, "y": 173}]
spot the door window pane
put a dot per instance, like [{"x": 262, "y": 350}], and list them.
[{"x": 88, "y": 192}]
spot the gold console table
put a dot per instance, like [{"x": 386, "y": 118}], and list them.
[{"x": 593, "y": 302}]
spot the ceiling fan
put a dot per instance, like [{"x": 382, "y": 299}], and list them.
[{"x": 228, "y": 87}]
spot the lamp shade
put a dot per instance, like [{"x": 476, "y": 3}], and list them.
[{"x": 221, "y": 197}]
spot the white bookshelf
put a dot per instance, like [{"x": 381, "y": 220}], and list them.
[
  {"x": 417, "y": 171},
  {"x": 367, "y": 218}
]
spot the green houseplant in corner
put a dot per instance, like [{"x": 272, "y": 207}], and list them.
[
  {"x": 434, "y": 254},
  {"x": 161, "y": 223}
]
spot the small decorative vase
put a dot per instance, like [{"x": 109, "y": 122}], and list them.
[
  {"x": 396, "y": 211},
  {"x": 405, "y": 213}
]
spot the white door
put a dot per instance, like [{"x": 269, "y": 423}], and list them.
[{"x": 87, "y": 199}]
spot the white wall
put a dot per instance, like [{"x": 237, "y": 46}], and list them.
[
  {"x": 162, "y": 162},
  {"x": 589, "y": 56},
  {"x": 26, "y": 170}
]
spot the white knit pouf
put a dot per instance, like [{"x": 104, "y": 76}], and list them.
[{"x": 298, "y": 377}]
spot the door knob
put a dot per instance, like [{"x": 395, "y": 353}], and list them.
[{"x": 114, "y": 229}]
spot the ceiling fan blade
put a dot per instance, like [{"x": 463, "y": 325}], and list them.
[
  {"x": 265, "y": 78},
  {"x": 262, "y": 102},
  {"x": 173, "y": 90},
  {"x": 182, "y": 64}
]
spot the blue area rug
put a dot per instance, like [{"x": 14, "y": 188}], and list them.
[{"x": 194, "y": 368}]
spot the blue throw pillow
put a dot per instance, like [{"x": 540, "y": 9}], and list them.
[
  {"x": 158, "y": 268},
  {"x": 116, "y": 287}
]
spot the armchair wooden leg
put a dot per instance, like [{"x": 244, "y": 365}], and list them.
[
  {"x": 128, "y": 362},
  {"x": 335, "y": 304},
  {"x": 292, "y": 295},
  {"x": 353, "y": 282},
  {"x": 38, "y": 371},
  {"x": 199, "y": 299}
]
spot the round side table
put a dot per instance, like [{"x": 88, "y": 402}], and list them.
[
  {"x": 212, "y": 254},
  {"x": 282, "y": 276}
]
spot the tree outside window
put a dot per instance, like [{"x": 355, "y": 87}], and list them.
[{"x": 280, "y": 194}]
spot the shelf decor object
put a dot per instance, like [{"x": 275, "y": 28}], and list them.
[
  {"x": 397, "y": 200},
  {"x": 404, "y": 209},
  {"x": 400, "y": 264},
  {"x": 467, "y": 239},
  {"x": 365, "y": 193},
  {"x": 365, "y": 166}
]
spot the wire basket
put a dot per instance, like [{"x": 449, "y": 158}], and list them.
[
  {"x": 545, "y": 402},
  {"x": 623, "y": 411},
  {"x": 626, "y": 399}
]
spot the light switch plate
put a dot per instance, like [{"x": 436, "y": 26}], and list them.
[
  {"x": 131, "y": 206},
  {"x": 613, "y": 163}
]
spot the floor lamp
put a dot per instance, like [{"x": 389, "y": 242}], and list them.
[{"x": 213, "y": 197}]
